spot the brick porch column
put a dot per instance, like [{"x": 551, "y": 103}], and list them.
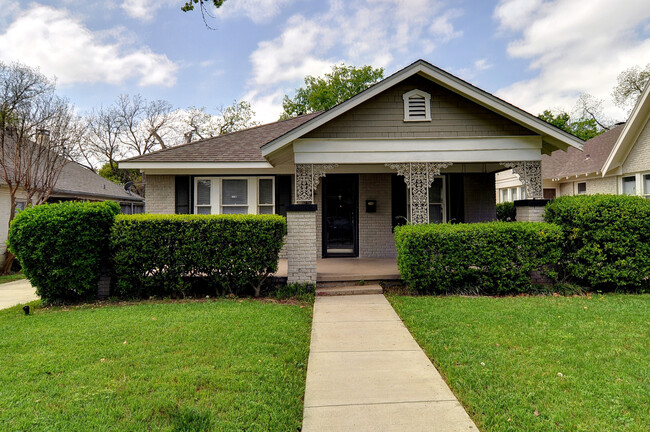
[
  {"x": 530, "y": 210},
  {"x": 301, "y": 243}
]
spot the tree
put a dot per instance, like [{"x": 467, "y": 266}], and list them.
[
  {"x": 144, "y": 124},
  {"x": 229, "y": 119},
  {"x": 121, "y": 176},
  {"x": 631, "y": 83},
  {"x": 583, "y": 128},
  {"x": 322, "y": 93},
  {"x": 36, "y": 129},
  {"x": 189, "y": 6}
]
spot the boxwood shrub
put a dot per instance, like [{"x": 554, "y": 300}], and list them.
[
  {"x": 481, "y": 258},
  {"x": 161, "y": 255},
  {"x": 506, "y": 212},
  {"x": 607, "y": 239},
  {"x": 62, "y": 247}
]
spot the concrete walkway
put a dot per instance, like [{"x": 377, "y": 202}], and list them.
[
  {"x": 17, "y": 292},
  {"x": 367, "y": 373}
]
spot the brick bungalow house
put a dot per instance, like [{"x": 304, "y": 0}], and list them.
[
  {"x": 421, "y": 145},
  {"x": 615, "y": 162}
]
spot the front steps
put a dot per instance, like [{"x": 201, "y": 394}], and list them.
[{"x": 346, "y": 289}]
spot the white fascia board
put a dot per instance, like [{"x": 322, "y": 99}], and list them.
[
  {"x": 560, "y": 139},
  {"x": 630, "y": 133},
  {"x": 461, "y": 156},
  {"x": 194, "y": 165}
]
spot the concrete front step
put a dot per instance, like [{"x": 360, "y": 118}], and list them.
[{"x": 349, "y": 290}]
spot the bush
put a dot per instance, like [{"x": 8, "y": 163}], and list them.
[
  {"x": 160, "y": 255},
  {"x": 299, "y": 291},
  {"x": 481, "y": 258},
  {"x": 607, "y": 239},
  {"x": 506, "y": 212},
  {"x": 62, "y": 247}
]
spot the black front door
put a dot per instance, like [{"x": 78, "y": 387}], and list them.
[{"x": 340, "y": 210}]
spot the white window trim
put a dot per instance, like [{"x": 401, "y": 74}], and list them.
[
  {"x": 272, "y": 205},
  {"x": 216, "y": 188},
  {"x": 578, "y": 188},
  {"x": 636, "y": 184},
  {"x": 644, "y": 192},
  {"x": 444, "y": 200},
  {"x": 427, "y": 106}
]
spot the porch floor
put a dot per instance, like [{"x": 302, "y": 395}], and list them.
[{"x": 350, "y": 269}]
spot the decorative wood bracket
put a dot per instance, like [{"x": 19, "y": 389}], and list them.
[
  {"x": 307, "y": 179},
  {"x": 530, "y": 175}
]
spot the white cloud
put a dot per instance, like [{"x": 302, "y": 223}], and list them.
[
  {"x": 61, "y": 45},
  {"x": 145, "y": 10},
  {"x": 574, "y": 47},
  {"x": 257, "y": 11},
  {"x": 375, "y": 32}
]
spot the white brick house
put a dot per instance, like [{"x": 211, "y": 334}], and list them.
[
  {"x": 421, "y": 145},
  {"x": 616, "y": 162}
]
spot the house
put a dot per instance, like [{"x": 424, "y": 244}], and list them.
[
  {"x": 74, "y": 183},
  {"x": 421, "y": 145},
  {"x": 615, "y": 162}
]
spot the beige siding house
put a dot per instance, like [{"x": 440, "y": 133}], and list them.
[
  {"x": 616, "y": 162},
  {"x": 420, "y": 146}
]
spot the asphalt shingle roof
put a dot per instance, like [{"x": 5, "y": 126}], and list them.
[
  {"x": 575, "y": 162},
  {"x": 240, "y": 146}
]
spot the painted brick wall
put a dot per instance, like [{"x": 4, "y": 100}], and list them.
[
  {"x": 452, "y": 116},
  {"x": 607, "y": 185},
  {"x": 375, "y": 229},
  {"x": 480, "y": 198},
  {"x": 301, "y": 247},
  {"x": 639, "y": 158},
  {"x": 159, "y": 192}
]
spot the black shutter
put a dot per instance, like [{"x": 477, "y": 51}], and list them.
[
  {"x": 282, "y": 194},
  {"x": 182, "y": 193}
]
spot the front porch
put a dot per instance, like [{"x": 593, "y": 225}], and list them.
[{"x": 349, "y": 269}]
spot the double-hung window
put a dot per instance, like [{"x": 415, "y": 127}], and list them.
[
  {"x": 629, "y": 185},
  {"x": 646, "y": 185},
  {"x": 234, "y": 195}
]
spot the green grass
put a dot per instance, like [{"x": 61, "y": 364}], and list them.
[
  {"x": 11, "y": 277},
  {"x": 221, "y": 365},
  {"x": 503, "y": 358}
]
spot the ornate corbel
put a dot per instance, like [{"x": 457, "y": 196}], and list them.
[{"x": 307, "y": 178}]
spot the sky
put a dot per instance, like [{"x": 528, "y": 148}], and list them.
[{"x": 535, "y": 54}]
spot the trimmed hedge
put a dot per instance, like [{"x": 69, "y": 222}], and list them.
[
  {"x": 485, "y": 258},
  {"x": 506, "y": 212},
  {"x": 606, "y": 239},
  {"x": 159, "y": 255},
  {"x": 62, "y": 247}
]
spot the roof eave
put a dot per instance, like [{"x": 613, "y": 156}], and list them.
[{"x": 550, "y": 134}]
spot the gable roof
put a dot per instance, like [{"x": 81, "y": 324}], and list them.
[
  {"x": 240, "y": 146},
  {"x": 574, "y": 162},
  {"x": 630, "y": 134},
  {"x": 553, "y": 137},
  {"x": 76, "y": 181}
]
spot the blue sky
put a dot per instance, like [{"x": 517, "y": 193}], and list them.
[{"x": 533, "y": 53}]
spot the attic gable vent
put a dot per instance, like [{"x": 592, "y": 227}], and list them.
[{"x": 417, "y": 106}]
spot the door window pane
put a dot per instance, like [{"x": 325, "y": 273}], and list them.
[
  {"x": 629, "y": 185},
  {"x": 203, "y": 192},
  {"x": 234, "y": 192},
  {"x": 265, "y": 191}
]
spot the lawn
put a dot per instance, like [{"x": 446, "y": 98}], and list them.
[
  {"x": 220, "y": 365},
  {"x": 540, "y": 363},
  {"x": 11, "y": 277}
]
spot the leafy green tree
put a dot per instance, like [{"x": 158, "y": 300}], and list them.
[
  {"x": 189, "y": 5},
  {"x": 120, "y": 176},
  {"x": 322, "y": 93},
  {"x": 584, "y": 128}
]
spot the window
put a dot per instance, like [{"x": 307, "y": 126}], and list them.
[
  {"x": 437, "y": 201},
  {"x": 417, "y": 106},
  {"x": 629, "y": 185},
  {"x": 504, "y": 195},
  {"x": 234, "y": 196},
  {"x": 265, "y": 196},
  {"x": 513, "y": 194},
  {"x": 582, "y": 188},
  {"x": 646, "y": 185},
  {"x": 203, "y": 196},
  {"x": 522, "y": 193},
  {"x": 20, "y": 206}
]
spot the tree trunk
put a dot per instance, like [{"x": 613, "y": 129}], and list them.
[{"x": 9, "y": 260}]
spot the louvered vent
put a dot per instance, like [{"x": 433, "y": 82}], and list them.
[{"x": 417, "y": 106}]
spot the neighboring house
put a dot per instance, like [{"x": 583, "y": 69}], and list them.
[
  {"x": 615, "y": 162},
  {"x": 421, "y": 145},
  {"x": 74, "y": 183}
]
